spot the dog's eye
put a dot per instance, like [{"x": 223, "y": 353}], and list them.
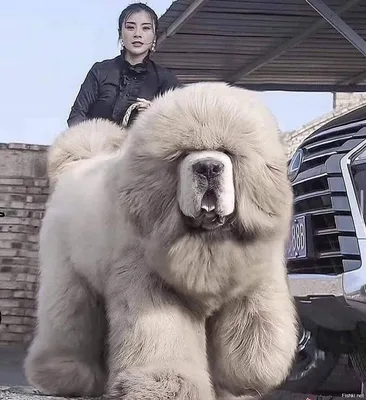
[{"x": 227, "y": 152}]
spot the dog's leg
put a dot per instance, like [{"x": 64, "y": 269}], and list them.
[
  {"x": 252, "y": 342},
  {"x": 65, "y": 357},
  {"x": 157, "y": 346}
]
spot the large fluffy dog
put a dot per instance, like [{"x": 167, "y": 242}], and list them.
[{"x": 162, "y": 254}]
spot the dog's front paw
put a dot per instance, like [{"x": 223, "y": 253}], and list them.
[
  {"x": 64, "y": 376},
  {"x": 148, "y": 383}
]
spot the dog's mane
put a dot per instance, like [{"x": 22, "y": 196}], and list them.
[{"x": 232, "y": 120}]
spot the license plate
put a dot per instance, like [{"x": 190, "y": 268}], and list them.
[{"x": 297, "y": 246}]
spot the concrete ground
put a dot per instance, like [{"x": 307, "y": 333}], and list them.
[
  {"x": 13, "y": 385},
  {"x": 11, "y": 371}
]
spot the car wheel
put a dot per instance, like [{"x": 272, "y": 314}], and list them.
[{"x": 312, "y": 367}]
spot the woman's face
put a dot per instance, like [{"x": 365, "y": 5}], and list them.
[{"x": 138, "y": 33}]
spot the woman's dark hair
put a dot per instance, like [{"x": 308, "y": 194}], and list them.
[{"x": 136, "y": 7}]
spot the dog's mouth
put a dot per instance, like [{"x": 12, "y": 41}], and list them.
[
  {"x": 209, "y": 217},
  {"x": 206, "y": 221},
  {"x": 208, "y": 202}
]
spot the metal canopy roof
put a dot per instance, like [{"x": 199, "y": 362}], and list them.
[{"x": 302, "y": 45}]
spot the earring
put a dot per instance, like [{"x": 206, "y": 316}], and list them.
[
  {"x": 153, "y": 46},
  {"x": 121, "y": 43}
]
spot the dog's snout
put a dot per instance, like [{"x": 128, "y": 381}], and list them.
[{"x": 208, "y": 168}]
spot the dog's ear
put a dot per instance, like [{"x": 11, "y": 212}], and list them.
[
  {"x": 147, "y": 190},
  {"x": 275, "y": 195},
  {"x": 264, "y": 196}
]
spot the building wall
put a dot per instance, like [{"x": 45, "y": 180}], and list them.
[
  {"x": 343, "y": 103},
  {"x": 343, "y": 100},
  {"x": 23, "y": 193}
]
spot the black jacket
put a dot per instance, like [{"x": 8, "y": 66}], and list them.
[{"x": 111, "y": 86}]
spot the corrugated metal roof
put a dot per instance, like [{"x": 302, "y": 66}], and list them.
[{"x": 223, "y": 37}]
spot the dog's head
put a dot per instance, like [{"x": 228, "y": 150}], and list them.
[{"x": 206, "y": 159}]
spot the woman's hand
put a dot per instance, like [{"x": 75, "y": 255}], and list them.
[{"x": 140, "y": 104}]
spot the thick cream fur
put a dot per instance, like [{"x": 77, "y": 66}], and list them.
[{"x": 131, "y": 301}]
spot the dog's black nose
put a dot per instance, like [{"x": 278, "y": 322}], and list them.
[{"x": 208, "y": 168}]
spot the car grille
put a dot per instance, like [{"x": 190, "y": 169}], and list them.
[{"x": 320, "y": 193}]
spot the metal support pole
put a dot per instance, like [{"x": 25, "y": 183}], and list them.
[
  {"x": 344, "y": 29},
  {"x": 181, "y": 20},
  {"x": 286, "y": 45}
]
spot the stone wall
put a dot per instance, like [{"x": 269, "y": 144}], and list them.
[
  {"x": 23, "y": 193},
  {"x": 344, "y": 100},
  {"x": 350, "y": 102}
]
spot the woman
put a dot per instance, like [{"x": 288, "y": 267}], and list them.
[{"x": 111, "y": 86}]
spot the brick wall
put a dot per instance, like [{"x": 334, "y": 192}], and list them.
[{"x": 23, "y": 193}]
